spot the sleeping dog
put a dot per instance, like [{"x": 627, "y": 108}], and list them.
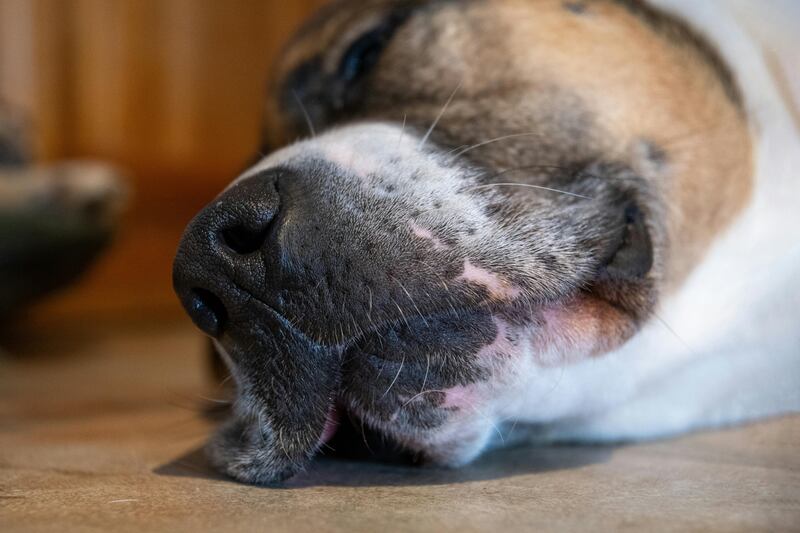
[{"x": 505, "y": 220}]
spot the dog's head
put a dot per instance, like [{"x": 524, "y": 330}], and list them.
[{"x": 482, "y": 186}]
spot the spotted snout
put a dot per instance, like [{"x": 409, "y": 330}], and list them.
[
  {"x": 301, "y": 271},
  {"x": 363, "y": 271}
]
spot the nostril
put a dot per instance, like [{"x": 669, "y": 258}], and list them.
[
  {"x": 243, "y": 240},
  {"x": 207, "y": 312}
]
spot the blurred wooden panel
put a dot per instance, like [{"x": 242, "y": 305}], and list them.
[
  {"x": 34, "y": 64},
  {"x": 170, "y": 89},
  {"x": 166, "y": 87}
]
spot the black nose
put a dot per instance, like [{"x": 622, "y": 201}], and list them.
[
  {"x": 218, "y": 246},
  {"x": 206, "y": 310}
]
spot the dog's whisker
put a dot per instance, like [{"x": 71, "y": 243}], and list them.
[
  {"x": 369, "y": 309},
  {"x": 411, "y": 298},
  {"x": 215, "y": 400},
  {"x": 307, "y": 117},
  {"x": 260, "y": 430},
  {"x": 528, "y": 185},
  {"x": 364, "y": 438},
  {"x": 195, "y": 403},
  {"x": 484, "y": 416},
  {"x": 402, "y": 362},
  {"x": 674, "y": 333},
  {"x": 224, "y": 381},
  {"x": 402, "y": 131},
  {"x": 402, "y": 314},
  {"x": 438, "y": 117},
  {"x": 445, "y": 286},
  {"x": 463, "y": 150},
  {"x": 421, "y": 393},
  {"x": 427, "y": 369},
  {"x": 285, "y": 450}
]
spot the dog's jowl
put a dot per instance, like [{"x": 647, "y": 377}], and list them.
[{"x": 495, "y": 214}]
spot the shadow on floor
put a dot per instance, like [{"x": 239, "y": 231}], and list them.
[{"x": 342, "y": 472}]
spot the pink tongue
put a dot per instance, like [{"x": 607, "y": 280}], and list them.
[{"x": 331, "y": 424}]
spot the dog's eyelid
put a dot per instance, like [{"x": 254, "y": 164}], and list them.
[{"x": 363, "y": 53}]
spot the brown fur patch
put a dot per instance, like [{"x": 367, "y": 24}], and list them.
[
  {"x": 593, "y": 82},
  {"x": 639, "y": 86},
  {"x": 583, "y": 327}
]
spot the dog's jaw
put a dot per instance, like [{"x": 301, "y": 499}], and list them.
[{"x": 435, "y": 363}]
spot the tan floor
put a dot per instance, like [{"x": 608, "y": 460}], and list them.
[{"x": 106, "y": 437}]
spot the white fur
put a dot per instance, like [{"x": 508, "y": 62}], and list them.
[{"x": 726, "y": 348}]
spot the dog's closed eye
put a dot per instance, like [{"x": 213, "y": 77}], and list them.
[
  {"x": 361, "y": 56},
  {"x": 364, "y": 53}
]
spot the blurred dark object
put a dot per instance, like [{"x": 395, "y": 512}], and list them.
[{"x": 54, "y": 219}]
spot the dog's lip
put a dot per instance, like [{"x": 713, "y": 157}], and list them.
[{"x": 331, "y": 425}]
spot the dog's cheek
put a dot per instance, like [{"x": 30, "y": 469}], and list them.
[{"x": 579, "y": 329}]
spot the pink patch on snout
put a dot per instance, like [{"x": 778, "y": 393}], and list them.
[
  {"x": 497, "y": 287},
  {"x": 349, "y": 159},
  {"x": 459, "y": 397},
  {"x": 425, "y": 233},
  {"x": 500, "y": 346},
  {"x": 572, "y": 331}
]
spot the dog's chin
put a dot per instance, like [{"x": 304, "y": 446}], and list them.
[
  {"x": 248, "y": 454},
  {"x": 453, "y": 445},
  {"x": 249, "y": 450},
  {"x": 251, "y": 453}
]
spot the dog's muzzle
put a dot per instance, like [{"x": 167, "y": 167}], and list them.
[{"x": 226, "y": 276}]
